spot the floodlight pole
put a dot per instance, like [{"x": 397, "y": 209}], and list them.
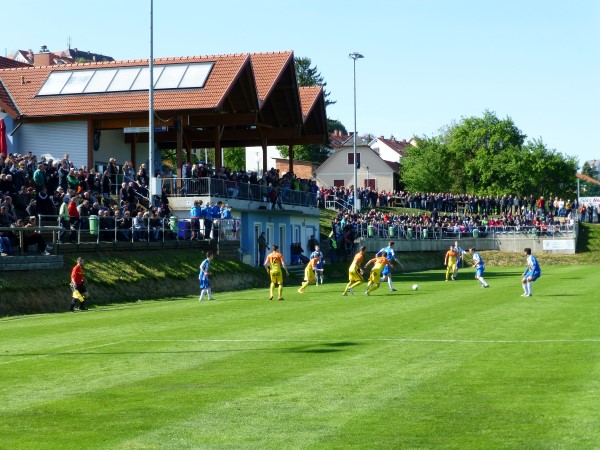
[
  {"x": 355, "y": 56},
  {"x": 151, "y": 178}
]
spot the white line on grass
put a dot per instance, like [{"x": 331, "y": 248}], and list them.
[
  {"x": 10, "y": 359},
  {"x": 442, "y": 341}
]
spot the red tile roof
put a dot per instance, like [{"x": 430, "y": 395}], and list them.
[
  {"x": 397, "y": 146},
  {"x": 7, "y": 63},
  {"x": 337, "y": 139},
  {"x": 308, "y": 98},
  {"x": 268, "y": 67},
  {"x": 23, "y": 85}
]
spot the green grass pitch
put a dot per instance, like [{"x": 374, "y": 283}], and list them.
[{"x": 448, "y": 366}]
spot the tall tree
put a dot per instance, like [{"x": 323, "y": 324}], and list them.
[
  {"x": 310, "y": 76},
  {"x": 425, "y": 167},
  {"x": 487, "y": 156},
  {"x": 586, "y": 169},
  {"x": 234, "y": 158},
  {"x": 312, "y": 152},
  {"x": 333, "y": 124}
]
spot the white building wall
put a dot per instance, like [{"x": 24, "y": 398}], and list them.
[
  {"x": 337, "y": 168},
  {"x": 55, "y": 139},
  {"x": 384, "y": 151},
  {"x": 254, "y": 158},
  {"x": 112, "y": 145}
]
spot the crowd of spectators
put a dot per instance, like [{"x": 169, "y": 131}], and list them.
[
  {"x": 30, "y": 188},
  {"x": 61, "y": 193},
  {"x": 430, "y": 224},
  {"x": 270, "y": 187},
  {"x": 448, "y": 202},
  {"x": 438, "y": 215}
]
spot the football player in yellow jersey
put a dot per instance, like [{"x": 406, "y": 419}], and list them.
[
  {"x": 450, "y": 262},
  {"x": 355, "y": 272},
  {"x": 309, "y": 272},
  {"x": 274, "y": 263},
  {"x": 380, "y": 261}
]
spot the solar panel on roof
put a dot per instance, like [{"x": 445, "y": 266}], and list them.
[{"x": 125, "y": 79}]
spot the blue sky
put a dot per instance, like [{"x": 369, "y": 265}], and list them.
[{"x": 427, "y": 62}]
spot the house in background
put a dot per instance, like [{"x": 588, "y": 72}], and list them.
[
  {"x": 45, "y": 57},
  {"x": 7, "y": 63},
  {"x": 378, "y": 160},
  {"x": 373, "y": 172},
  {"x": 390, "y": 149}
]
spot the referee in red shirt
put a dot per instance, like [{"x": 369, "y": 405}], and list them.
[{"x": 78, "y": 284}]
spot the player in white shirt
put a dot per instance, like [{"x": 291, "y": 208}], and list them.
[
  {"x": 479, "y": 266},
  {"x": 386, "y": 274},
  {"x": 532, "y": 273},
  {"x": 459, "y": 259},
  {"x": 319, "y": 271}
]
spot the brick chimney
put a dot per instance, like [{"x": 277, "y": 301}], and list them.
[{"x": 43, "y": 58}]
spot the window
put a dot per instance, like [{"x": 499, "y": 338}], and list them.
[{"x": 351, "y": 158}]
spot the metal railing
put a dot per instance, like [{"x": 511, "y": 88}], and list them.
[
  {"x": 333, "y": 202},
  {"x": 215, "y": 187},
  {"x": 97, "y": 229},
  {"x": 400, "y": 231},
  {"x": 17, "y": 240}
]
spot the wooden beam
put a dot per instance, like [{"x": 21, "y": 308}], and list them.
[
  {"x": 291, "y": 158},
  {"x": 290, "y": 133},
  {"x": 213, "y": 120},
  {"x": 113, "y": 124},
  {"x": 134, "y": 153},
  {"x": 90, "y": 149},
  {"x": 218, "y": 150},
  {"x": 179, "y": 151},
  {"x": 265, "y": 162}
]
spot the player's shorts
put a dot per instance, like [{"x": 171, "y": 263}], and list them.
[
  {"x": 276, "y": 277},
  {"x": 534, "y": 275},
  {"x": 354, "y": 275},
  {"x": 81, "y": 288},
  {"x": 479, "y": 271},
  {"x": 375, "y": 276},
  {"x": 386, "y": 271},
  {"x": 309, "y": 275},
  {"x": 204, "y": 283},
  {"x": 452, "y": 266}
]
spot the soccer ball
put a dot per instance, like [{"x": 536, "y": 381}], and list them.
[{"x": 415, "y": 287}]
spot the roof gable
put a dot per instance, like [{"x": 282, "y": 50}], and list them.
[
  {"x": 6, "y": 102},
  {"x": 312, "y": 100},
  {"x": 338, "y": 160},
  {"x": 392, "y": 144}
]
